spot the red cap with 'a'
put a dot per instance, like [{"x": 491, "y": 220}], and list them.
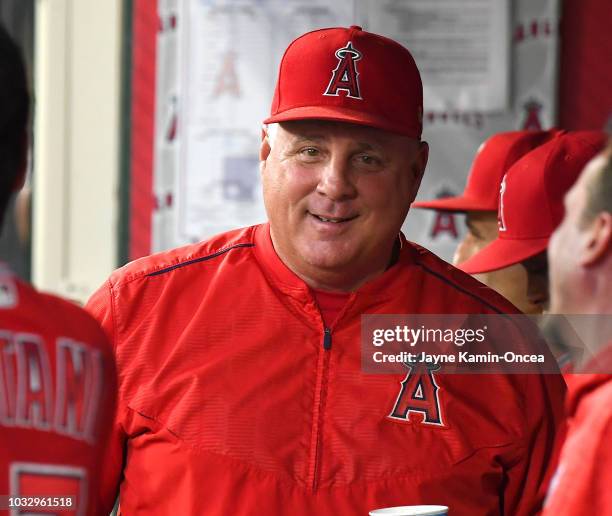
[
  {"x": 493, "y": 159},
  {"x": 349, "y": 75},
  {"x": 531, "y": 199}
]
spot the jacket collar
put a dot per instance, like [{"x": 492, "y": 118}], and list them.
[{"x": 289, "y": 281}]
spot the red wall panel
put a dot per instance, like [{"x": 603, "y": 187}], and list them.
[
  {"x": 585, "y": 81},
  {"x": 146, "y": 23}
]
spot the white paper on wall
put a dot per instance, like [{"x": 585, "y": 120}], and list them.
[{"x": 461, "y": 48}]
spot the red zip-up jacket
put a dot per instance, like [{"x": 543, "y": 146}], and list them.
[
  {"x": 57, "y": 395},
  {"x": 234, "y": 399},
  {"x": 583, "y": 481}
]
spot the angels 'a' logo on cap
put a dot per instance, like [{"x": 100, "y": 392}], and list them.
[{"x": 345, "y": 76}]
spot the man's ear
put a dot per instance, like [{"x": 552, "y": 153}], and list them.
[
  {"x": 23, "y": 164},
  {"x": 264, "y": 149},
  {"x": 418, "y": 168},
  {"x": 423, "y": 155},
  {"x": 598, "y": 239}
]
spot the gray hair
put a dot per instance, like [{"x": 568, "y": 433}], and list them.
[{"x": 271, "y": 131}]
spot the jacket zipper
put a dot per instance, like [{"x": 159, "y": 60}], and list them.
[
  {"x": 327, "y": 339},
  {"x": 320, "y": 387}
]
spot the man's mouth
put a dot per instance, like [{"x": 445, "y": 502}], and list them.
[{"x": 334, "y": 220}]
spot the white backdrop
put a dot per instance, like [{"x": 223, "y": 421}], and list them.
[{"x": 487, "y": 67}]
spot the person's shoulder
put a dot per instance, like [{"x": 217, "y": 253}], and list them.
[
  {"x": 596, "y": 402},
  {"x": 69, "y": 309},
  {"x": 39, "y": 312},
  {"x": 211, "y": 251},
  {"x": 458, "y": 282}
]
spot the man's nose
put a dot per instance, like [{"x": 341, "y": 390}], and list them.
[
  {"x": 464, "y": 250},
  {"x": 336, "y": 180}
]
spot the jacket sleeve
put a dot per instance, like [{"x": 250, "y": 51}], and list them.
[
  {"x": 582, "y": 482},
  {"x": 544, "y": 396},
  {"x": 597, "y": 486},
  {"x": 100, "y": 306}
]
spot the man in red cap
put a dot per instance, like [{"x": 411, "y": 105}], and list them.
[
  {"x": 57, "y": 383},
  {"x": 479, "y": 203},
  {"x": 241, "y": 389},
  {"x": 531, "y": 207},
  {"x": 580, "y": 256}
]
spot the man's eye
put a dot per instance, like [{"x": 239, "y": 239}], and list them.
[
  {"x": 309, "y": 152},
  {"x": 366, "y": 159}
]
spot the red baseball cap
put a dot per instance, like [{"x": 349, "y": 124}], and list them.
[
  {"x": 531, "y": 199},
  {"x": 493, "y": 159},
  {"x": 349, "y": 75}
]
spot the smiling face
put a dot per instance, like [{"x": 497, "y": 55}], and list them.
[{"x": 336, "y": 195}]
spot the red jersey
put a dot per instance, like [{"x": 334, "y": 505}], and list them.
[
  {"x": 235, "y": 399},
  {"x": 583, "y": 481},
  {"x": 57, "y": 393}
]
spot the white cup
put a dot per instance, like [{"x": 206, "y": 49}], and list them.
[{"x": 412, "y": 510}]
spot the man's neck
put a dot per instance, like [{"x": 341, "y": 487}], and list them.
[
  {"x": 592, "y": 321},
  {"x": 332, "y": 281},
  {"x": 343, "y": 279}
]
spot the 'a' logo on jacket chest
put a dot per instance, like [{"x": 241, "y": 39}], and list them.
[{"x": 418, "y": 399}]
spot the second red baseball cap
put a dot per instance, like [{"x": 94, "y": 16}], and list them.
[
  {"x": 493, "y": 159},
  {"x": 531, "y": 199},
  {"x": 349, "y": 75}
]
